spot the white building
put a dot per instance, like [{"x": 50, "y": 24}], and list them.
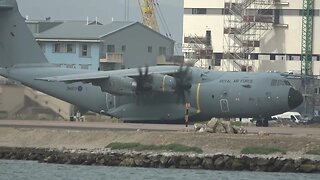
[{"x": 279, "y": 42}]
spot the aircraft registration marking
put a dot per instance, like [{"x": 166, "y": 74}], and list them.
[{"x": 198, "y": 98}]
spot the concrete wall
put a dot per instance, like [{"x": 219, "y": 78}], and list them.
[
  {"x": 203, "y": 4},
  {"x": 281, "y": 40},
  {"x": 199, "y": 23},
  {"x": 11, "y": 99}
]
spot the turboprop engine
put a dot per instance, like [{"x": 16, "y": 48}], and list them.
[
  {"x": 163, "y": 83},
  {"x": 119, "y": 85}
]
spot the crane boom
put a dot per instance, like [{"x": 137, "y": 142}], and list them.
[{"x": 148, "y": 14}]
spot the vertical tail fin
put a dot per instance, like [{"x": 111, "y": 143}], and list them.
[{"x": 17, "y": 44}]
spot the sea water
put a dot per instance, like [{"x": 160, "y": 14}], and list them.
[{"x": 30, "y": 170}]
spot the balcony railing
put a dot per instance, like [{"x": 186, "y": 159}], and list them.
[{"x": 112, "y": 58}]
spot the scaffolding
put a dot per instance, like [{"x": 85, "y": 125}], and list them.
[
  {"x": 198, "y": 49},
  {"x": 245, "y": 23},
  {"x": 307, "y": 77}
]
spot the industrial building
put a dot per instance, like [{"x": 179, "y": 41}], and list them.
[
  {"x": 258, "y": 36},
  {"x": 94, "y": 46},
  {"x": 271, "y": 30}
]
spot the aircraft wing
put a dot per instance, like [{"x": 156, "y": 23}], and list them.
[
  {"x": 86, "y": 77},
  {"x": 91, "y": 77}
]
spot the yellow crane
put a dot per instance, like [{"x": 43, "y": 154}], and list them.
[{"x": 147, "y": 8}]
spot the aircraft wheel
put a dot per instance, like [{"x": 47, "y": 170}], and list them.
[
  {"x": 259, "y": 123},
  {"x": 265, "y": 123}
]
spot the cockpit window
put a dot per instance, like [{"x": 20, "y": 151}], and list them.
[
  {"x": 281, "y": 83},
  {"x": 275, "y": 82},
  {"x": 287, "y": 83}
]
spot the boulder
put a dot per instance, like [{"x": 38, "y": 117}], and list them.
[
  {"x": 197, "y": 126},
  {"x": 164, "y": 160},
  {"x": 207, "y": 163},
  {"x": 208, "y": 130},
  {"x": 127, "y": 162},
  {"x": 219, "y": 126},
  {"x": 288, "y": 167},
  {"x": 183, "y": 162},
  {"x": 194, "y": 161},
  {"x": 237, "y": 165},
  {"x": 220, "y": 129},
  {"x": 228, "y": 127},
  {"x": 202, "y": 130},
  {"x": 213, "y": 123},
  {"x": 219, "y": 163},
  {"x": 139, "y": 161},
  {"x": 307, "y": 168},
  {"x": 239, "y": 130}
]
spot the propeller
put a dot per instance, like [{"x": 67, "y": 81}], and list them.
[
  {"x": 144, "y": 80},
  {"x": 183, "y": 83}
]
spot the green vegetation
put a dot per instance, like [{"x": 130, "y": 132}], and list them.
[
  {"x": 261, "y": 150},
  {"x": 314, "y": 152},
  {"x": 142, "y": 147}
]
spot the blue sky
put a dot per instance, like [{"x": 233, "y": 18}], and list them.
[{"x": 105, "y": 10}]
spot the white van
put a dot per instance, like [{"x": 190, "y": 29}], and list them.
[{"x": 293, "y": 116}]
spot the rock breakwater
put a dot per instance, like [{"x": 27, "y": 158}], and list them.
[{"x": 105, "y": 157}]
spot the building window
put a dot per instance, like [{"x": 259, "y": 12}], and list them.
[
  {"x": 149, "y": 49},
  {"x": 110, "y": 48},
  {"x": 85, "y": 50},
  {"x": 162, "y": 51},
  {"x": 70, "y": 66},
  {"x": 64, "y": 48},
  {"x": 84, "y": 66},
  {"x": 123, "y": 48},
  {"x": 70, "y": 48},
  {"x": 57, "y": 47},
  {"x": 57, "y": 65},
  {"x": 199, "y": 11}
]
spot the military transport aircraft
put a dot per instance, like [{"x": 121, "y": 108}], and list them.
[{"x": 142, "y": 94}]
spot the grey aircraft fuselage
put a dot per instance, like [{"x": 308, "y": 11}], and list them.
[
  {"x": 130, "y": 95},
  {"x": 213, "y": 94}
]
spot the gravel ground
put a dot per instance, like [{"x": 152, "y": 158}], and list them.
[{"x": 296, "y": 146}]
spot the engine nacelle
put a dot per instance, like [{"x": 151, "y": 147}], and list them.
[
  {"x": 119, "y": 85},
  {"x": 163, "y": 83}
]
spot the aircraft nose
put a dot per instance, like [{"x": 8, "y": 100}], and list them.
[{"x": 294, "y": 98}]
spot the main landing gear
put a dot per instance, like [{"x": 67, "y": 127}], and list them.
[{"x": 262, "y": 122}]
